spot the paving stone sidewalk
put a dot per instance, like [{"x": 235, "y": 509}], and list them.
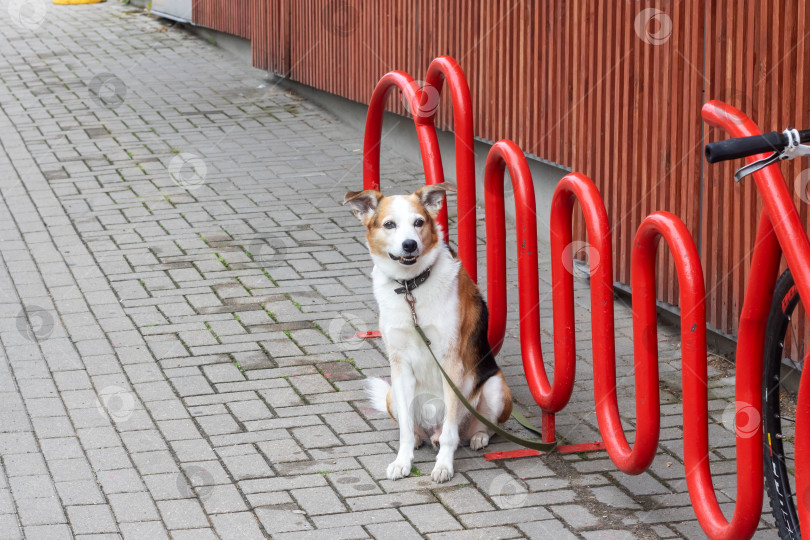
[{"x": 179, "y": 290}]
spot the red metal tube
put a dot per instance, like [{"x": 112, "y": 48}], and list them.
[
  {"x": 419, "y": 101},
  {"x": 425, "y": 132},
  {"x": 803, "y": 450},
  {"x": 694, "y": 373},
  {"x": 441, "y": 69},
  {"x": 507, "y": 155},
  {"x": 578, "y": 187},
  {"x": 502, "y": 155},
  {"x": 645, "y": 346}
]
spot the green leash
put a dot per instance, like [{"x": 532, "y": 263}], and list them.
[{"x": 534, "y": 444}]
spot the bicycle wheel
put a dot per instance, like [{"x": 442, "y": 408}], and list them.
[{"x": 785, "y": 340}]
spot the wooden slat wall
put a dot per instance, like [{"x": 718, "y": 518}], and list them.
[
  {"x": 758, "y": 62},
  {"x": 230, "y": 16},
  {"x": 270, "y": 31},
  {"x": 597, "y": 87}
]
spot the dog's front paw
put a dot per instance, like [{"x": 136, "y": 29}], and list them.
[
  {"x": 479, "y": 440},
  {"x": 398, "y": 469},
  {"x": 442, "y": 472}
]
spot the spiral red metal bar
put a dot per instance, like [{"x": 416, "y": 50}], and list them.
[
  {"x": 422, "y": 101},
  {"x": 502, "y": 155},
  {"x": 780, "y": 230}
]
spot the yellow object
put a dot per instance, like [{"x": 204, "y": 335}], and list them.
[{"x": 76, "y": 2}]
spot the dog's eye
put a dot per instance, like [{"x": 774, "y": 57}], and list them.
[
  {"x": 419, "y": 222},
  {"x": 390, "y": 225}
]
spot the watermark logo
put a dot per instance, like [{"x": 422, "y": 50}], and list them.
[
  {"x": 577, "y": 255},
  {"x": 116, "y": 403},
  {"x": 427, "y": 410},
  {"x": 38, "y": 325},
  {"x": 507, "y": 491},
  {"x": 427, "y": 100},
  {"x": 27, "y": 14},
  {"x": 802, "y": 186},
  {"x": 188, "y": 170},
  {"x": 742, "y": 418},
  {"x": 271, "y": 251},
  {"x": 340, "y": 17},
  {"x": 343, "y": 331},
  {"x": 108, "y": 90},
  {"x": 653, "y": 26},
  {"x": 197, "y": 476}
]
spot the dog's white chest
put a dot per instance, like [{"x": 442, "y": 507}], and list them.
[{"x": 437, "y": 310}]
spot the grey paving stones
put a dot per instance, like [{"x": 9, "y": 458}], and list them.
[
  {"x": 95, "y": 518},
  {"x": 322, "y": 500},
  {"x": 429, "y": 518},
  {"x": 182, "y": 514}
]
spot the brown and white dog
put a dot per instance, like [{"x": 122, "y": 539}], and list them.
[{"x": 406, "y": 247}]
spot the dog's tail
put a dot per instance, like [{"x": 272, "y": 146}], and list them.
[{"x": 377, "y": 391}]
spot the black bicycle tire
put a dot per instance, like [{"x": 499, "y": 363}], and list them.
[{"x": 785, "y": 299}]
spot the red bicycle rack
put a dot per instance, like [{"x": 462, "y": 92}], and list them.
[{"x": 573, "y": 188}]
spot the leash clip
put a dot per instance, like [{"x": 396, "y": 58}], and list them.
[{"x": 411, "y": 303}]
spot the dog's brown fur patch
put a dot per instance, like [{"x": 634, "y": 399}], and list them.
[
  {"x": 507, "y": 400},
  {"x": 469, "y": 313},
  {"x": 375, "y": 234}
]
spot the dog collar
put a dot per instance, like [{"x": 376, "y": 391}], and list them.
[{"x": 410, "y": 284}]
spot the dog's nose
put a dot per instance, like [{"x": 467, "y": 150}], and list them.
[{"x": 409, "y": 246}]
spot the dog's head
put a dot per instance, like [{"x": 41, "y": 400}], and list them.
[{"x": 401, "y": 230}]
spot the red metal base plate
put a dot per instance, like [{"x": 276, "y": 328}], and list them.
[
  {"x": 369, "y": 334},
  {"x": 584, "y": 447},
  {"x": 527, "y": 452},
  {"x": 524, "y": 452}
]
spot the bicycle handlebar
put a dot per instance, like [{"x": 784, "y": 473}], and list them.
[{"x": 749, "y": 146}]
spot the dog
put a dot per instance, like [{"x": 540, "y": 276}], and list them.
[{"x": 409, "y": 255}]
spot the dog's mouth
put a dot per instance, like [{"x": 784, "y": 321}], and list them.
[{"x": 406, "y": 260}]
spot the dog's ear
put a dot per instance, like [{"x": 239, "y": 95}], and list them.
[
  {"x": 363, "y": 203},
  {"x": 432, "y": 197}
]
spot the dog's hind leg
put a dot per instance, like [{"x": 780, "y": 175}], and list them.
[
  {"x": 419, "y": 436},
  {"x": 494, "y": 404}
]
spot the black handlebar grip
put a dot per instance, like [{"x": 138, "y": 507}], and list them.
[{"x": 745, "y": 146}]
